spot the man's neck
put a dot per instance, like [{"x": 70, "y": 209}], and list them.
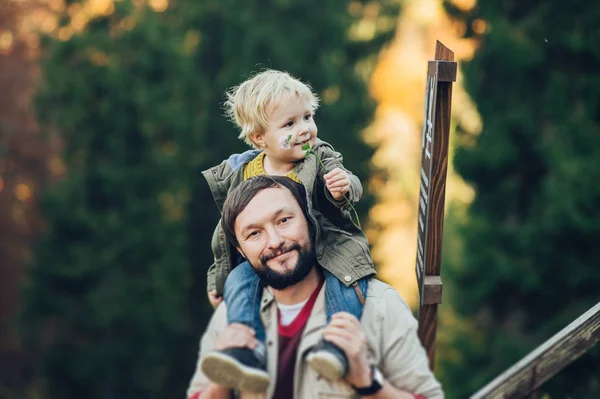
[
  {"x": 277, "y": 168},
  {"x": 300, "y": 291}
]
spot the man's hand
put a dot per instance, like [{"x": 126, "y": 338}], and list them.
[
  {"x": 345, "y": 331},
  {"x": 338, "y": 183},
  {"x": 214, "y": 299},
  {"x": 236, "y": 336}
]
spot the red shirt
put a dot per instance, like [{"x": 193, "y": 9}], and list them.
[{"x": 289, "y": 339}]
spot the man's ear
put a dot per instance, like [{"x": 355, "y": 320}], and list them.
[{"x": 258, "y": 140}]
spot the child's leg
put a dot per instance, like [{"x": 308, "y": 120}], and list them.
[
  {"x": 328, "y": 359},
  {"x": 339, "y": 298},
  {"x": 242, "y": 294},
  {"x": 243, "y": 369}
]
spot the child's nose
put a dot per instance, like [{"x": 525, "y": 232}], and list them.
[{"x": 304, "y": 129}]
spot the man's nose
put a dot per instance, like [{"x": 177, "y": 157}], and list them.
[{"x": 275, "y": 239}]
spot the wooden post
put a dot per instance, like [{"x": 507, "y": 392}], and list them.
[{"x": 434, "y": 165}]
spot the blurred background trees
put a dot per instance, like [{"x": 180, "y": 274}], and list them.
[
  {"x": 529, "y": 265},
  {"x": 128, "y": 112},
  {"x": 26, "y": 166}
]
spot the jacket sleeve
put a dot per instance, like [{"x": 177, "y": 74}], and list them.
[
  {"x": 331, "y": 159},
  {"x": 405, "y": 362},
  {"x": 214, "y": 179},
  {"x": 215, "y": 274},
  {"x": 211, "y": 279},
  {"x": 217, "y": 323}
]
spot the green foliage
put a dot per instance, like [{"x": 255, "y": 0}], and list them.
[
  {"x": 116, "y": 300},
  {"x": 530, "y": 240}
]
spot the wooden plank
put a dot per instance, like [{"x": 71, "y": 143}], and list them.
[
  {"x": 427, "y": 330},
  {"x": 437, "y": 181},
  {"x": 434, "y": 166},
  {"x": 439, "y": 168},
  {"x": 446, "y": 70},
  {"x": 442, "y": 52},
  {"x": 527, "y": 375},
  {"x": 432, "y": 290},
  {"x": 427, "y": 160}
]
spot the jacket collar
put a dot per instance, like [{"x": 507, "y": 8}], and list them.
[{"x": 236, "y": 161}]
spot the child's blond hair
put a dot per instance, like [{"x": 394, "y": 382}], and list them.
[{"x": 247, "y": 104}]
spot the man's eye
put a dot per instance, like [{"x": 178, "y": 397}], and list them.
[
  {"x": 284, "y": 220},
  {"x": 253, "y": 234}
]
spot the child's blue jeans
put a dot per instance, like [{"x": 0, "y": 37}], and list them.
[{"x": 243, "y": 292}]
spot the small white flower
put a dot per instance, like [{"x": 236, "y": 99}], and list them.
[{"x": 284, "y": 142}]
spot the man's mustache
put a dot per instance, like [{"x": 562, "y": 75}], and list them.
[{"x": 282, "y": 250}]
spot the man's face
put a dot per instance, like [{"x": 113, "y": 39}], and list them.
[{"x": 273, "y": 236}]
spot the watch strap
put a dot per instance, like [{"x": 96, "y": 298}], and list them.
[{"x": 373, "y": 388}]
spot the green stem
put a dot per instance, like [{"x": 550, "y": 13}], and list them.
[{"x": 357, "y": 224}]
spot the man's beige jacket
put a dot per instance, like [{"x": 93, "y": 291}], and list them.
[{"x": 391, "y": 331}]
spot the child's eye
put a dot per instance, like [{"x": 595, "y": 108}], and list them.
[
  {"x": 289, "y": 124},
  {"x": 307, "y": 117}
]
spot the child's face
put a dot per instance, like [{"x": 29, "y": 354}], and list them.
[{"x": 292, "y": 117}]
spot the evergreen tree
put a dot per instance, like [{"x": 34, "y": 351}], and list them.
[
  {"x": 24, "y": 161},
  {"x": 117, "y": 299},
  {"x": 530, "y": 241}
]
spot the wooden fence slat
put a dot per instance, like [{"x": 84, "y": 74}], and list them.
[{"x": 541, "y": 364}]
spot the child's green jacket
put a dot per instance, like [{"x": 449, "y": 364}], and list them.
[{"x": 341, "y": 247}]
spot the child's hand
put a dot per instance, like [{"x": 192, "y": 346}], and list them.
[
  {"x": 338, "y": 183},
  {"x": 214, "y": 299}
]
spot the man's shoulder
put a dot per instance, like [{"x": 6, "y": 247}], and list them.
[
  {"x": 383, "y": 296},
  {"x": 378, "y": 289}
]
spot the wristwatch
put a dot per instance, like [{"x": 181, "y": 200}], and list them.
[{"x": 376, "y": 383}]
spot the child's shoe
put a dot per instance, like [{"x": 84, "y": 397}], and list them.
[
  {"x": 328, "y": 360},
  {"x": 242, "y": 369}
]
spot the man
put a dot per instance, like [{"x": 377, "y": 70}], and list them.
[{"x": 268, "y": 221}]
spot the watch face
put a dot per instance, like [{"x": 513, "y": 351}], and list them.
[{"x": 377, "y": 376}]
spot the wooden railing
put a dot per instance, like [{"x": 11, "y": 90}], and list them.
[{"x": 524, "y": 378}]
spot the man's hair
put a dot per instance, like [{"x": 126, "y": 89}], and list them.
[
  {"x": 241, "y": 196},
  {"x": 247, "y": 103}
]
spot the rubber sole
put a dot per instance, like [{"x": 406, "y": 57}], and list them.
[
  {"x": 226, "y": 371},
  {"x": 326, "y": 365}
]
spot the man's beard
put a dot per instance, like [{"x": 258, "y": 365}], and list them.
[{"x": 307, "y": 258}]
